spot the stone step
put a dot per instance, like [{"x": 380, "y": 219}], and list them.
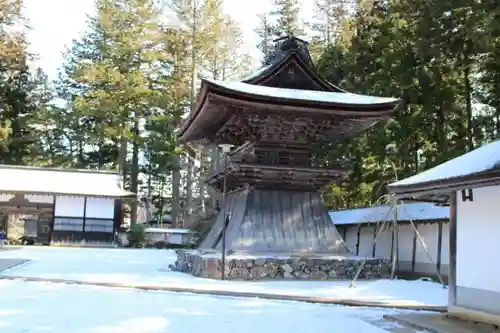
[
  {"x": 441, "y": 323},
  {"x": 393, "y": 327}
]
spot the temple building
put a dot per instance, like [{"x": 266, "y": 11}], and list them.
[
  {"x": 469, "y": 184},
  {"x": 275, "y": 119},
  {"x": 51, "y": 205}
]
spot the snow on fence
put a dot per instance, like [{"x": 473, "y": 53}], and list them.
[{"x": 359, "y": 227}]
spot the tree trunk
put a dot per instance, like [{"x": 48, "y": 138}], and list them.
[
  {"x": 201, "y": 179},
  {"x": 134, "y": 182},
  {"x": 100, "y": 162},
  {"x": 468, "y": 109},
  {"x": 189, "y": 191},
  {"x": 214, "y": 164},
  {"x": 122, "y": 157},
  {"x": 441, "y": 138},
  {"x": 497, "y": 121},
  {"x": 176, "y": 185},
  {"x": 150, "y": 176}
]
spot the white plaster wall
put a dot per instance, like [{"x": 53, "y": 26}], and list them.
[
  {"x": 175, "y": 238},
  {"x": 478, "y": 236},
  {"x": 366, "y": 241},
  {"x": 384, "y": 243},
  {"x": 69, "y": 206},
  {"x": 429, "y": 234},
  {"x": 445, "y": 249},
  {"x": 153, "y": 237},
  {"x": 405, "y": 242},
  {"x": 103, "y": 208},
  {"x": 351, "y": 238}
]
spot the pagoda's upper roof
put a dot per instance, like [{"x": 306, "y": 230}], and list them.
[{"x": 288, "y": 85}]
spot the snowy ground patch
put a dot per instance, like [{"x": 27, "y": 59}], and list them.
[
  {"x": 150, "y": 267},
  {"x": 29, "y": 307}
]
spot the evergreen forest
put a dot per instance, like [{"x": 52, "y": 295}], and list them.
[{"x": 127, "y": 83}]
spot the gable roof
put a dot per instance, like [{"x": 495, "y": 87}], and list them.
[
  {"x": 40, "y": 180},
  {"x": 292, "y": 60},
  {"x": 478, "y": 168},
  {"x": 420, "y": 211}
]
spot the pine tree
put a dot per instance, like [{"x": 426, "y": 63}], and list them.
[
  {"x": 267, "y": 33},
  {"x": 286, "y": 14},
  {"x": 330, "y": 19}
]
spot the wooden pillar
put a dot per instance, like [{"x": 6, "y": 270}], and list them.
[
  {"x": 358, "y": 239},
  {"x": 84, "y": 215},
  {"x": 118, "y": 215},
  {"x": 414, "y": 249},
  {"x": 375, "y": 237},
  {"x": 452, "y": 277},
  {"x": 395, "y": 241},
  {"x": 439, "y": 246},
  {"x": 392, "y": 239},
  {"x": 52, "y": 223}
]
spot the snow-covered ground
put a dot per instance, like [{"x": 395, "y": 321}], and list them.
[
  {"x": 37, "y": 307},
  {"x": 150, "y": 267},
  {"x": 33, "y": 307}
]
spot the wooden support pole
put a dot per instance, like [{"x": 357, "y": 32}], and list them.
[
  {"x": 452, "y": 277},
  {"x": 414, "y": 250}
]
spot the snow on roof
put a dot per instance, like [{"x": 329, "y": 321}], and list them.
[
  {"x": 479, "y": 160},
  {"x": 256, "y": 74},
  {"x": 303, "y": 95},
  {"x": 39, "y": 180},
  {"x": 169, "y": 230},
  {"x": 420, "y": 211}
]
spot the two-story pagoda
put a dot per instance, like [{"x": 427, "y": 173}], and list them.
[{"x": 273, "y": 118}]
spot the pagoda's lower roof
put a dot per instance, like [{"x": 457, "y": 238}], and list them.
[
  {"x": 220, "y": 102},
  {"x": 276, "y": 177}
]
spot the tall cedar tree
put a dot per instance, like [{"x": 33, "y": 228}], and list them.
[
  {"x": 19, "y": 89},
  {"x": 117, "y": 75}
]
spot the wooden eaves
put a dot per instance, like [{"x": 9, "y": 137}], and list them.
[{"x": 440, "y": 190}]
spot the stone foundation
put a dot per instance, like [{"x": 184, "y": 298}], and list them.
[{"x": 240, "y": 266}]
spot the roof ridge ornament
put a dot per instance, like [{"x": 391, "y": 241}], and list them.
[{"x": 287, "y": 44}]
